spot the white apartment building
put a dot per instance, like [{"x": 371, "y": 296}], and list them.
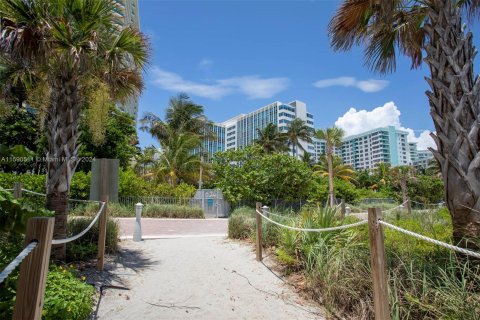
[
  {"x": 241, "y": 130},
  {"x": 385, "y": 144}
]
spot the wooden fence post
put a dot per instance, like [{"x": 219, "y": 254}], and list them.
[
  {"x": 379, "y": 273},
  {"x": 258, "y": 240},
  {"x": 102, "y": 234},
  {"x": 34, "y": 270},
  {"x": 17, "y": 190},
  {"x": 342, "y": 208}
]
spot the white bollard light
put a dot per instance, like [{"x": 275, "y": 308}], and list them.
[
  {"x": 137, "y": 232},
  {"x": 347, "y": 211}
]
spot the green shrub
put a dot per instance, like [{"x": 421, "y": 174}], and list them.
[
  {"x": 114, "y": 210},
  {"x": 33, "y": 182},
  {"x": 241, "y": 223},
  {"x": 172, "y": 211},
  {"x": 66, "y": 296},
  {"x": 86, "y": 247}
]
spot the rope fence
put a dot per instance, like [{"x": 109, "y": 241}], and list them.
[
  {"x": 346, "y": 226},
  {"x": 434, "y": 241},
  {"x": 36, "y": 253},
  {"x": 44, "y": 195},
  {"x": 18, "y": 259},
  {"x": 81, "y": 234},
  {"x": 377, "y": 248}
]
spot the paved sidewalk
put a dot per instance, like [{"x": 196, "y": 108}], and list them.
[
  {"x": 206, "y": 278},
  {"x": 174, "y": 228}
]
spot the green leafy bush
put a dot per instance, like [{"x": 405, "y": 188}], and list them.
[
  {"x": 86, "y": 247},
  {"x": 241, "y": 223},
  {"x": 66, "y": 296},
  {"x": 172, "y": 211}
]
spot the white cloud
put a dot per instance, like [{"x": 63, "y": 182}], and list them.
[
  {"x": 254, "y": 87},
  {"x": 369, "y": 86},
  {"x": 357, "y": 121}
]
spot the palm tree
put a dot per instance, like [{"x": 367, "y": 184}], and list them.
[
  {"x": 298, "y": 131},
  {"x": 340, "y": 171},
  {"x": 333, "y": 139},
  {"x": 80, "y": 58},
  {"x": 308, "y": 159},
  {"x": 181, "y": 115},
  {"x": 401, "y": 176},
  {"x": 433, "y": 27},
  {"x": 176, "y": 161},
  {"x": 145, "y": 160},
  {"x": 382, "y": 172},
  {"x": 271, "y": 139},
  {"x": 180, "y": 137}
]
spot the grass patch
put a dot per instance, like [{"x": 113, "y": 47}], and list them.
[{"x": 85, "y": 248}]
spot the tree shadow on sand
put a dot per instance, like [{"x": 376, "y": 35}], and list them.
[{"x": 118, "y": 270}]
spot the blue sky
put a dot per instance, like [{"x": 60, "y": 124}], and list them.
[{"x": 236, "y": 56}]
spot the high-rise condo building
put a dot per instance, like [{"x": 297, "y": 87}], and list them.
[
  {"x": 367, "y": 149},
  {"x": 127, "y": 14},
  {"x": 242, "y": 130}
]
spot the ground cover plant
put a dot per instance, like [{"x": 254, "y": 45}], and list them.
[
  {"x": 67, "y": 296},
  {"x": 425, "y": 281}
]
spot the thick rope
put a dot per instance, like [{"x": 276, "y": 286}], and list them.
[
  {"x": 34, "y": 193},
  {"x": 400, "y": 205},
  {"x": 75, "y": 200},
  {"x": 439, "y": 243},
  {"x": 426, "y": 204},
  {"x": 15, "y": 262},
  {"x": 62, "y": 241},
  {"x": 315, "y": 230},
  {"x": 8, "y": 189},
  {"x": 276, "y": 214}
]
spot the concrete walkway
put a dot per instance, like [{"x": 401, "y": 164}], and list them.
[
  {"x": 174, "y": 228},
  {"x": 196, "y": 278}
]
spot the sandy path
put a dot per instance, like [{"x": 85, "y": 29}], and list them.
[{"x": 197, "y": 278}]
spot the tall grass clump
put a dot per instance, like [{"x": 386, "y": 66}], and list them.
[
  {"x": 86, "y": 248},
  {"x": 241, "y": 223}
]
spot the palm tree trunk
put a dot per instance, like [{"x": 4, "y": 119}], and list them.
[
  {"x": 403, "y": 187},
  {"x": 331, "y": 192},
  {"x": 62, "y": 135},
  {"x": 455, "y": 109}
]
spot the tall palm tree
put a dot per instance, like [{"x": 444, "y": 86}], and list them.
[
  {"x": 297, "y": 132},
  {"x": 382, "y": 172},
  {"x": 80, "y": 58},
  {"x": 341, "y": 171},
  {"x": 433, "y": 27},
  {"x": 400, "y": 177},
  {"x": 308, "y": 159},
  {"x": 180, "y": 136},
  {"x": 333, "y": 139},
  {"x": 271, "y": 139},
  {"x": 176, "y": 161},
  {"x": 181, "y": 115}
]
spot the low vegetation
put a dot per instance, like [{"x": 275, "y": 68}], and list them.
[
  {"x": 148, "y": 211},
  {"x": 425, "y": 281},
  {"x": 85, "y": 248},
  {"x": 67, "y": 295}
]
